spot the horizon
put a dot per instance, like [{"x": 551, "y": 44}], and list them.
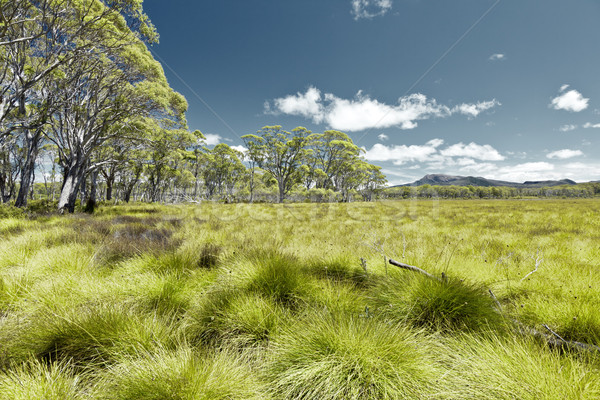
[{"x": 422, "y": 86}]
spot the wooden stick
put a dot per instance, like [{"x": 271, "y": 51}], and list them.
[{"x": 413, "y": 268}]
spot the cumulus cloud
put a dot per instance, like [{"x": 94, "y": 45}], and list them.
[
  {"x": 473, "y": 110},
  {"x": 570, "y": 100},
  {"x": 564, "y": 154},
  {"x": 383, "y": 137},
  {"x": 306, "y": 105},
  {"x": 473, "y": 150},
  {"x": 588, "y": 125},
  {"x": 567, "y": 128},
  {"x": 370, "y": 8},
  {"x": 212, "y": 139},
  {"x": 363, "y": 112},
  {"x": 455, "y": 155},
  {"x": 497, "y": 57},
  {"x": 524, "y": 172},
  {"x": 401, "y": 154}
]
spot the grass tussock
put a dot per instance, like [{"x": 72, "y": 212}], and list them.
[
  {"x": 89, "y": 335},
  {"x": 448, "y": 305},
  {"x": 516, "y": 368},
  {"x": 181, "y": 375},
  {"x": 339, "y": 357},
  {"x": 37, "y": 380}
]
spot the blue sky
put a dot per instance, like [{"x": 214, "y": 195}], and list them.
[{"x": 503, "y": 89}]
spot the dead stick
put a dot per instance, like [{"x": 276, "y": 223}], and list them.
[{"x": 412, "y": 268}]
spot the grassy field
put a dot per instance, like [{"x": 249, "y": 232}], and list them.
[{"x": 296, "y": 301}]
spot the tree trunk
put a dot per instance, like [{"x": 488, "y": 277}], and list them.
[
  {"x": 281, "y": 190},
  {"x": 109, "y": 187},
  {"x": 70, "y": 189},
  {"x": 90, "y": 204},
  {"x": 32, "y": 146}
]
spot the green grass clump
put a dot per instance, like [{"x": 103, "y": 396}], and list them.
[
  {"x": 238, "y": 318},
  {"x": 37, "y": 380},
  {"x": 89, "y": 335},
  {"x": 181, "y": 375},
  {"x": 339, "y": 269},
  {"x": 447, "y": 305},
  {"x": 274, "y": 275},
  {"x": 340, "y": 357},
  {"x": 516, "y": 368}
]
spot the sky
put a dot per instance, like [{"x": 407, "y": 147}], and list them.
[{"x": 503, "y": 89}]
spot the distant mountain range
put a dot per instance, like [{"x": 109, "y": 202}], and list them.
[{"x": 448, "y": 180}]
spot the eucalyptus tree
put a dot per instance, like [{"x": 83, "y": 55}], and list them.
[
  {"x": 222, "y": 169},
  {"x": 108, "y": 93},
  {"x": 37, "y": 39},
  {"x": 281, "y": 153},
  {"x": 166, "y": 152},
  {"x": 332, "y": 153}
]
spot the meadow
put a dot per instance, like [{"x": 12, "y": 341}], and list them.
[{"x": 298, "y": 301}]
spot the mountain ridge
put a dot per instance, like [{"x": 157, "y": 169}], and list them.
[{"x": 457, "y": 180}]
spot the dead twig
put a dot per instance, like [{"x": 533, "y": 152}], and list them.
[
  {"x": 413, "y": 268},
  {"x": 538, "y": 261}
]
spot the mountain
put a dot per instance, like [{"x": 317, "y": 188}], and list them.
[{"x": 448, "y": 180}]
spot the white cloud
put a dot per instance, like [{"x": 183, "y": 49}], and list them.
[
  {"x": 567, "y": 128},
  {"x": 588, "y": 125},
  {"x": 569, "y": 101},
  {"x": 524, "y": 172},
  {"x": 306, "y": 105},
  {"x": 473, "y": 150},
  {"x": 383, "y": 137},
  {"x": 212, "y": 139},
  {"x": 497, "y": 57},
  {"x": 563, "y": 88},
  {"x": 564, "y": 154},
  {"x": 459, "y": 154},
  {"x": 473, "y": 110},
  {"x": 363, "y": 112},
  {"x": 401, "y": 154},
  {"x": 370, "y": 8}
]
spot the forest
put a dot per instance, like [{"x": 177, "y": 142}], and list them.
[{"x": 84, "y": 105}]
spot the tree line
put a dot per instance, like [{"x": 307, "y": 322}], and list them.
[
  {"x": 84, "y": 103},
  {"x": 581, "y": 190}
]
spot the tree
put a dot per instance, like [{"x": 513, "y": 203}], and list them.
[
  {"x": 107, "y": 94},
  {"x": 332, "y": 152},
  {"x": 222, "y": 170},
  {"x": 37, "y": 38},
  {"x": 280, "y": 153}
]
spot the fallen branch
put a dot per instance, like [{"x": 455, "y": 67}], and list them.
[
  {"x": 413, "y": 268},
  {"x": 538, "y": 261},
  {"x": 553, "y": 339}
]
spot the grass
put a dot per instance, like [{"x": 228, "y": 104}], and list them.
[
  {"x": 181, "y": 375},
  {"x": 448, "y": 305},
  {"x": 340, "y": 357},
  {"x": 295, "y": 301}
]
